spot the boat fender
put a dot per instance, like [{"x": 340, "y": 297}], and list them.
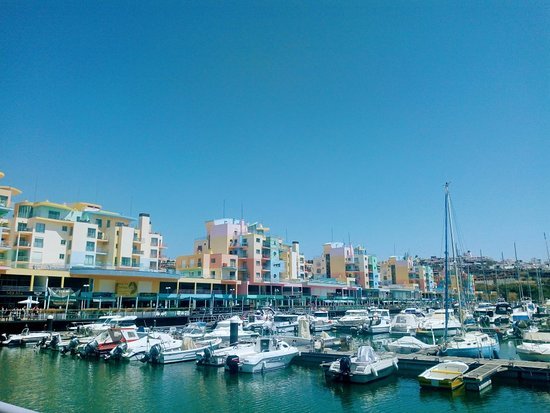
[
  {"x": 395, "y": 364},
  {"x": 374, "y": 371}
]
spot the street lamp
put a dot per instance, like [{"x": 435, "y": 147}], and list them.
[
  {"x": 85, "y": 304},
  {"x": 167, "y": 292}
]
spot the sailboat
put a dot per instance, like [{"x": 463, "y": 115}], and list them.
[{"x": 465, "y": 344}]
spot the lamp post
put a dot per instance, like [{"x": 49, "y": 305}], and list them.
[
  {"x": 167, "y": 292},
  {"x": 85, "y": 304}
]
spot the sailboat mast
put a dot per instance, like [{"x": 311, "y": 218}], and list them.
[
  {"x": 446, "y": 259},
  {"x": 517, "y": 274}
]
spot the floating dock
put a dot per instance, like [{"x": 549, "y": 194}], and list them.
[{"x": 477, "y": 378}]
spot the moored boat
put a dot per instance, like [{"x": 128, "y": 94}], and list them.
[
  {"x": 445, "y": 375},
  {"x": 269, "y": 354},
  {"x": 364, "y": 367}
]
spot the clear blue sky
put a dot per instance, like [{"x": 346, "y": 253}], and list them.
[{"x": 319, "y": 117}]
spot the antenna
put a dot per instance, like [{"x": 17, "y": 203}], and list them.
[
  {"x": 547, "y": 253},
  {"x": 517, "y": 273}
]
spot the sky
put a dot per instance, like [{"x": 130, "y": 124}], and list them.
[{"x": 324, "y": 120}]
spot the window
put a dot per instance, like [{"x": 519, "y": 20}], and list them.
[
  {"x": 257, "y": 251},
  {"x": 212, "y": 260},
  {"x": 257, "y": 262},
  {"x": 3, "y": 201},
  {"x": 63, "y": 242},
  {"x": 89, "y": 260},
  {"x": 21, "y": 226},
  {"x": 125, "y": 261},
  {"x": 232, "y": 263},
  {"x": 25, "y": 211},
  {"x": 40, "y": 227},
  {"x": 108, "y": 223},
  {"x": 257, "y": 239},
  {"x": 61, "y": 256},
  {"x": 99, "y": 222},
  {"x": 90, "y": 246},
  {"x": 64, "y": 228},
  {"x": 154, "y": 253},
  {"x": 213, "y": 273},
  {"x": 91, "y": 232},
  {"x": 69, "y": 245},
  {"x": 39, "y": 242},
  {"x": 154, "y": 242},
  {"x": 53, "y": 214}
]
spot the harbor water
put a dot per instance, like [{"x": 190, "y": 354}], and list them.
[{"x": 46, "y": 381}]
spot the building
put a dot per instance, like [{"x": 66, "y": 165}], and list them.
[
  {"x": 347, "y": 264},
  {"x": 7, "y": 193}
]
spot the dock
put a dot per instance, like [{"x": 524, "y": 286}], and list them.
[{"x": 477, "y": 378}]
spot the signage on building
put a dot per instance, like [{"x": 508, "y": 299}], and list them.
[{"x": 127, "y": 289}]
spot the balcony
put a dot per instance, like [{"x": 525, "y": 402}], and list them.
[
  {"x": 101, "y": 237},
  {"x": 137, "y": 252},
  {"x": 22, "y": 243},
  {"x": 24, "y": 229}
]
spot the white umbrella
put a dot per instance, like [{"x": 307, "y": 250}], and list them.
[{"x": 28, "y": 302}]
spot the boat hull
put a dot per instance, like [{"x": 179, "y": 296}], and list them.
[{"x": 264, "y": 364}]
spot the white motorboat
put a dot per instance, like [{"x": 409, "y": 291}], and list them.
[
  {"x": 217, "y": 357},
  {"x": 534, "y": 351},
  {"x": 187, "y": 351},
  {"x": 107, "y": 340},
  {"x": 136, "y": 350},
  {"x": 364, "y": 367},
  {"x": 353, "y": 318},
  {"x": 404, "y": 323},
  {"x": 104, "y": 322},
  {"x": 535, "y": 346},
  {"x": 409, "y": 344},
  {"x": 320, "y": 321},
  {"x": 223, "y": 330},
  {"x": 25, "y": 337},
  {"x": 445, "y": 375},
  {"x": 434, "y": 324},
  {"x": 376, "y": 325},
  {"x": 269, "y": 354},
  {"x": 285, "y": 323}
]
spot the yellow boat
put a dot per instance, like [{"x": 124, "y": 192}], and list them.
[{"x": 445, "y": 375}]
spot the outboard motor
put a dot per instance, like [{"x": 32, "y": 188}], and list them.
[
  {"x": 3, "y": 337},
  {"x": 73, "y": 344},
  {"x": 54, "y": 342},
  {"x": 41, "y": 343},
  {"x": 345, "y": 365},
  {"x": 90, "y": 349},
  {"x": 116, "y": 353},
  {"x": 232, "y": 364},
  {"x": 154, "y": 353}
]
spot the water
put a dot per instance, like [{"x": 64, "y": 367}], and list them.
[{"x": 48, "y": 382}]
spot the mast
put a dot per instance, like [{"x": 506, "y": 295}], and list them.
[
  {"x": 446, "y": 259},
  {"x": 520, "y": 287},
  {"x": 484, "y": 276}
]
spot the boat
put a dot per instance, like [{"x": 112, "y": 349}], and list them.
[
  {"x": 223, "y": 330},
  {"x": 404, "y": 323},
  {"x": 320, "y": 321},
  {"x": 439, "y": 325},
  {"x": 409, "y": 344},
  {"x": 379, "y": 322},
  {"x": 103, "y": 323},
  {"x": 24, "y": 338},
  {"x": 136, "y": 350},
  {"x": 364, "y": 367},
  {"x": 269, "y": 354},
  {"x": 285, "y": 323},
  {"x": 535, "y": 347},
  {"x": 445, "y": 375},
  {"x": 353, "y": 318},
  {"x": 474, "y": 344},
  {"x": 159, "y": 354},
  {"x": 217, "y": 358},
  {"x": 107, "y": 340}
]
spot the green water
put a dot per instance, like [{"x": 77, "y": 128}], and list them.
[{"x": 48, "y": 382}]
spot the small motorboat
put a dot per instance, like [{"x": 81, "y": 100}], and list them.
[
  {"x": 25, "y": 337},
  {"x": 268, "y": 354},
  {"x": 445, "y": 375},
  {"x": 136, "y": 350},
  {"x": 364, "y": 367},
  {"x": 186, "y": 352},
  {"x": 217, "y": 357},
  {"x": 409, "y": 344}
]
